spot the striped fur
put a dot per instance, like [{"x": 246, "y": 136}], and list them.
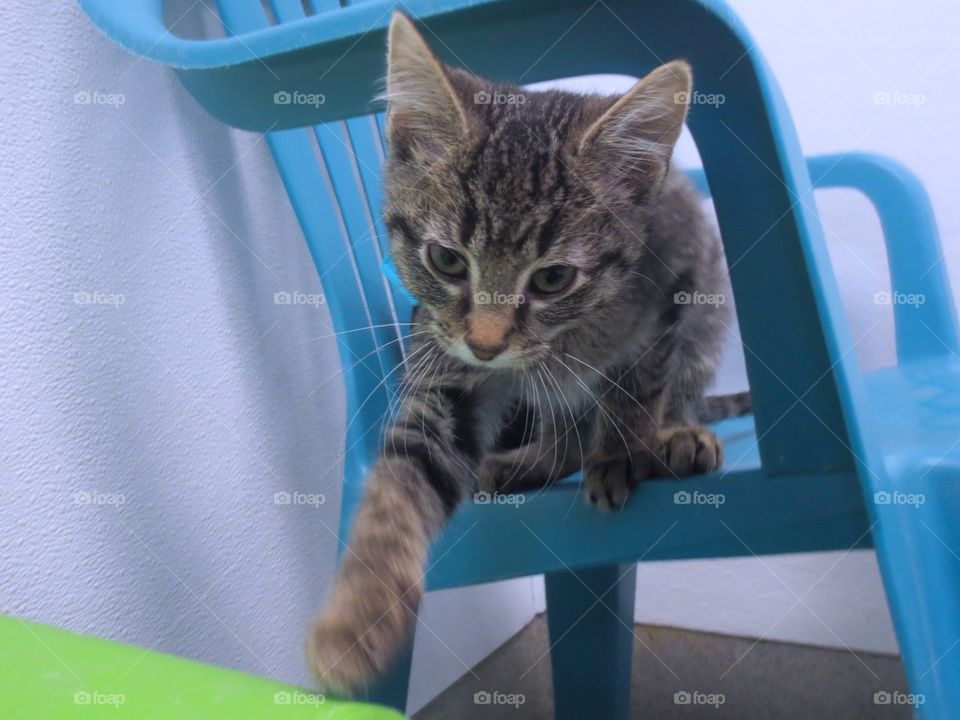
[{"x": 509, "y": 385}]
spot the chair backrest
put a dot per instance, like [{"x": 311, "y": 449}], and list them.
[{"x": 798, "y": 351}]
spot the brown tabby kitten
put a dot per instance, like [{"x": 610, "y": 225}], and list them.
[{"x": 551, "y": 250}]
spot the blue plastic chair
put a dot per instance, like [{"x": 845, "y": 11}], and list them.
[{"x": 832, "y": 457}]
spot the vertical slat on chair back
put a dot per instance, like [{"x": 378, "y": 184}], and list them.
[
  {"x": 366, "y": 134},
  {"x": 352, "y": 156},
  {"x": 332, "y": 175}
]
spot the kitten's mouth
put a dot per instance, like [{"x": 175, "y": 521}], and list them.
[
  {"x": 486, "y": 358},
  {"x": 507, "y": 359}
]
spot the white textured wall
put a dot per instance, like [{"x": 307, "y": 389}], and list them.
[
  {"x": 195, "y": 400},
  {"x": 198, "y": 398}
]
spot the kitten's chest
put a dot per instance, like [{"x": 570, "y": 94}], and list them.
[{"x": 549, "y": 391}]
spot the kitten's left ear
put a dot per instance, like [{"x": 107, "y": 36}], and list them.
[
  {"x": 424, "y": 115},
  {"x": 631, "y": 143}
]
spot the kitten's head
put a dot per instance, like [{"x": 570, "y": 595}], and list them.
[{"x": 517, "y": 218}]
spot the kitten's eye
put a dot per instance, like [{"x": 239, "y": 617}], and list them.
[
  {"x": 553, "y": 279},
  {"x": 446, "y": 261}
]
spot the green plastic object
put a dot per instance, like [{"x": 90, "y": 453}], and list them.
[{"x": 52, "y": 674}]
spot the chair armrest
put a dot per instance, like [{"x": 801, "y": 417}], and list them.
[{"x": 929, "y": 327}]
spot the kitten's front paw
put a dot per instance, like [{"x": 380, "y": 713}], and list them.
[
  {"x": 688, "y": 450},
  {"x": 340, "y": 656},
  {"x": 607, "y": 483},
  {"x": 491, "y": 475}
]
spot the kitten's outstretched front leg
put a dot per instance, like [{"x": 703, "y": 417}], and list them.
[{"x": 425, "y": 468}]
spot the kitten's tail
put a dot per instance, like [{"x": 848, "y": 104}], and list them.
[
  {"x": 720, "y": 407},
  {"x": 380, "y": 581}
]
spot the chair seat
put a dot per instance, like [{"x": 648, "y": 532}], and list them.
[
  {"x": 916, "y": 413},
  {"x": 733, "y": 512},
  {"x": 917, "y": 422}
]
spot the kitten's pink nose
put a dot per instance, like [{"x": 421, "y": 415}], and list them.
[
  {"x": 486, "y": 352},
  {"x": 487, "y": 333}
]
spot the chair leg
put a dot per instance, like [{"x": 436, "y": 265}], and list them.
[
  {"x": 590, "y": 617},
  {"x": 918, "y": 548},
  {"x": 391, "y": 689}
]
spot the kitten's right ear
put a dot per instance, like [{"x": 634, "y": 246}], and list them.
[
  {"x": 424, "y": 116},
  {"x": 630, "y": 145}
]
